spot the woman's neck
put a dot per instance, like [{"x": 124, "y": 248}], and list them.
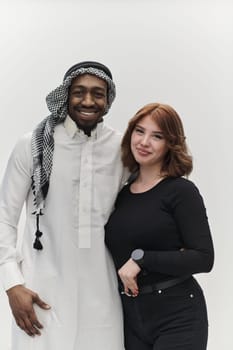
[
  {"x": 147, "y": 178},
  {"x": 147, "y": 175}
]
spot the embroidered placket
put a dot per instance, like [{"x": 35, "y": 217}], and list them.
[{"x": 85, "y": 196}]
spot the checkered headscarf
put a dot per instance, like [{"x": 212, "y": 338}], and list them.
[{"x": 42, "y": 137}]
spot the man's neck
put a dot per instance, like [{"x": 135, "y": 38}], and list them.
[{"x": 87, "y": 130}]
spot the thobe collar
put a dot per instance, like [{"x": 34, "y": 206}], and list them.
[{"x": 73, "y": 130}]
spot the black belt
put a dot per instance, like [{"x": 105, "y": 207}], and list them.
[{"x": 150, "y": 288}]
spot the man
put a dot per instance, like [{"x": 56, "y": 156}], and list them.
[{"x": 61, "y": 284}]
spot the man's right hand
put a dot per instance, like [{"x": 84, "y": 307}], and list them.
[{"x": 21, "y": 301}]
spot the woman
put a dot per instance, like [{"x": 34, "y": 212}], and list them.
[{"x": 159, "y": 237}]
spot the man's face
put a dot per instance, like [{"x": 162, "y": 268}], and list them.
[{"x": 87, "y": 101}]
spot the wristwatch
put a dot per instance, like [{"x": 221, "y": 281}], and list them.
[{"x": 137, "y": 256}]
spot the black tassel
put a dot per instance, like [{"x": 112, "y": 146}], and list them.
[{"x": 37, "y": 243}]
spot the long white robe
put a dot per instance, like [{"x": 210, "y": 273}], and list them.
[{"x": 79, "y": 283}]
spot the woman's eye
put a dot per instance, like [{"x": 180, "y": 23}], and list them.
[
  {"x": 138, "y": 131},
  {"x": 158, "y": 136}
]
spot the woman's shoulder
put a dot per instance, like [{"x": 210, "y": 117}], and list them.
[
  {"x": 125, "y": 189},
  {"x": 181, "y": 183},
  {"x": 181, "y": 187}
]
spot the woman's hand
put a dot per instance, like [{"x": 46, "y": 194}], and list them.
[{"x": 128, "y": 275}]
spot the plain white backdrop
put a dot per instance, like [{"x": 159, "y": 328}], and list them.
[{"x": 178, "y": 52}]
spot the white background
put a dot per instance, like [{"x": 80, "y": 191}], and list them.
[{"x": 178, "y": 52}]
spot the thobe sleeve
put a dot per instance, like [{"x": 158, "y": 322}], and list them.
[{"x": 14, "y": 189}]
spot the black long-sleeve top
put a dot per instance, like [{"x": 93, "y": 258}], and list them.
[{"x": 161, "y": 221}]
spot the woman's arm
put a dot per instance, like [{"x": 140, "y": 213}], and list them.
[{"x": 188, "y": 210}]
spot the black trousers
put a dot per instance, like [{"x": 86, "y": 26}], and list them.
[{"x": 171, "y": 319}]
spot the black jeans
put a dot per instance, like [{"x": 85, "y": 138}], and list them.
[{"x": 171, "y": 319}]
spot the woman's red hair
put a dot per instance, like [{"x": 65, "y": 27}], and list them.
[{"x": 177, "y": 162}]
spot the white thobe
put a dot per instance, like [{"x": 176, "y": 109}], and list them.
[{"x": 73, "y": 273}]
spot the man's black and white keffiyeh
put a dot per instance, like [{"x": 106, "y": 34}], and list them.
[{"x": 42, "y": 137}]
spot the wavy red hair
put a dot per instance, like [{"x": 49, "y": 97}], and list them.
[{"x": 178, "y": 161}]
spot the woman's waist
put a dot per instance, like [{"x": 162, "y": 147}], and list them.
[
  {"x": 146, "y": 278},
  {"x": 150, "y": 283}
]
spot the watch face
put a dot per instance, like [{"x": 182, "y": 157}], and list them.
[{"x": 137, "y": 254}]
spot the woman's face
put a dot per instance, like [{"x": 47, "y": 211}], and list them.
[{"x": 148, "y": 144}]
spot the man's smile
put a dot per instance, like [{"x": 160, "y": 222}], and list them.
[{"x": 87, "y": 114}]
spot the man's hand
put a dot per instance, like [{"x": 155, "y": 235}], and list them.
[
  {"x": 128, "y": 275},
  {"x": 21, "y": 301}
]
